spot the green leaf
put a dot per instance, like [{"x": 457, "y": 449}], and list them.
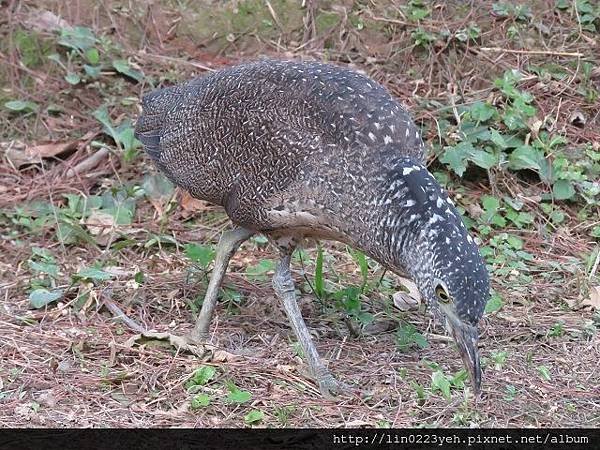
[
  {"x": 101, "y": 115},
  {"x": 92, "y": 55},
  {"x": 498, "y": 139},
  {"x": 520, "y": 105},
  {"x": 93, "y": 273},
  {"x": 511, "y": 392},
  {"x": 407, "y": 336},
  {"x": 72, "y": 78},
  {"x": 495, "y": 303},
  {"x": 439, "y": 382},
  {"x": 527, "y": 157},
  {"x": 481, "y": 111},
  {"x": 319, "y": 279},
  {"x": 44, "y": 267},
  {"x": 157, "y": 186},
  {"x": 258, "y": 272},
  {"x": 201, "y": 254},
  {"x": 236, "y": 395},
  {"x": 563, "y": 190},
  {"x": 21, "y": 106},
  {"x": 139, "y": 277},
  {"x": 92, "y": 71},
  {"x": 513, "y": 119},
  {"x": 490, "y": 204},
  {"x": 515, "y": 242},
  {"x": 126, "y": 136},
  {"x": 254, "y": 416},
  {"x": 201, "y": 376},
  {"x": 456, "y": 157},
  {"x": 361, "y": 260},
  {"x": 123, "y": 67},
  {"x": 483, "y": 159},
  {"x": 200, "y": 401},
  {"x": 544, "y": 373},
  {"x": 459, "y": 378},
  {"x": 42, "y": 297},
  {"x": 77, "y": 38}
]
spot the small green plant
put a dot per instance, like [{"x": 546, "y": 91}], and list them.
[
  {"x": 439, "y": 382},
  {"x": 520, "y": 12},
  {"x": 88, "y": 56},
  {"x": 254, "y": 417},
  {"x": 21, "y": 106},
  {"x": 203, "y": 255},
  {"x": 587, "y": 13},
  {"x": 544, "y": 373},
  {"x": 407, "y": 337},
  {"x": 419, "y": 392},
  {"x": 236, "y": 395},
  {"x": 499, "y": 359},
  {"x": 510, "y": 392},
  {"x": 122, "y": 135},
  {"x": 557, "y": 330},
  {"x": 416, "y": 10},
  {"x": 470, "y": 33},
  {"x": 422, "y": 38},
  {"x": 201, "y": 376},
  {"x": 260, "y": 271},
  {"x": 283, "y": 414},
  {"x": 495, "y": 303},
  {"x": 200, "y": 401}
]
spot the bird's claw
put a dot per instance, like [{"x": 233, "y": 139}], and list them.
[{"x": 330, "y": 387}]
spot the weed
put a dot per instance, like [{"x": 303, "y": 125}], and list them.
[
  {"x": 407, "y": 336},
  {"x": 236, "y": 395},
  {"x": 254, "y": 417},
  {"x": 283, "y": 414}
]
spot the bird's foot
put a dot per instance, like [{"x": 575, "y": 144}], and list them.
[
  {"x": 196, "y": 337},
  {"x": 330, "y": 387}
]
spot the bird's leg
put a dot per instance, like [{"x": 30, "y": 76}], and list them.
[
  {"x": 284, "y": 288},
  {"x": 228, "y": 245}
]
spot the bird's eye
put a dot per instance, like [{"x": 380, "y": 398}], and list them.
[{"x": 441, "y": 294}]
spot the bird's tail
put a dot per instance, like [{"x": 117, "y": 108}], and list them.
[{"x": 148, "y": 128}]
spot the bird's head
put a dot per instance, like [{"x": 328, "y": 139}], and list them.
[
  {"x": 456, "y": 289},
  {"x": 442, "y": 258}
]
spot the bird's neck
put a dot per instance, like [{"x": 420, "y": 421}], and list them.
[{"x": 397, "y": 243}]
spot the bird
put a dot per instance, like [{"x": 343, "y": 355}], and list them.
[{"x": 305, "y": 150}]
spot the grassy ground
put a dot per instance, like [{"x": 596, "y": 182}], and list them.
[{"x": 508, "y": 99}]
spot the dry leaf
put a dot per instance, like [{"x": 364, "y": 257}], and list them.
[
  {"x": 45, "y": 21},
  {"x": 14, "y": 152},
  {"x": 475, "y": 211},
  {"x": 189, "y": 203},
  {"x": 578, "y": 119},
  {"x": 51, "y": 149},
  {"x": 178, "y": 342},
  {"x": 594, "y": 298},
  {"x": 221, "y": 356},
  {"x": 20, "y": 155},
  {"x": 406, "y": 301},
  {"x": 100, "y": 225}
]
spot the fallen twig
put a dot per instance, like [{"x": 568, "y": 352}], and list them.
[
  {"x": 531, "y": 52},
  {"x": 88, "y": 163},
  {"x": 119, "y": 314}
]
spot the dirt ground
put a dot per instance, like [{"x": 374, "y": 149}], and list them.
[{"x": 74, "y": 362}]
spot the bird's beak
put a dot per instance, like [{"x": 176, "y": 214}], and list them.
[{"x": 467, "y": 337}]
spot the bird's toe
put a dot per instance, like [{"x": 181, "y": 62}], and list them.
[{"x": 330, "y": 387}]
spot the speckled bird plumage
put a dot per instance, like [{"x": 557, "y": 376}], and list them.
[{"x": 305, "y": 149}]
